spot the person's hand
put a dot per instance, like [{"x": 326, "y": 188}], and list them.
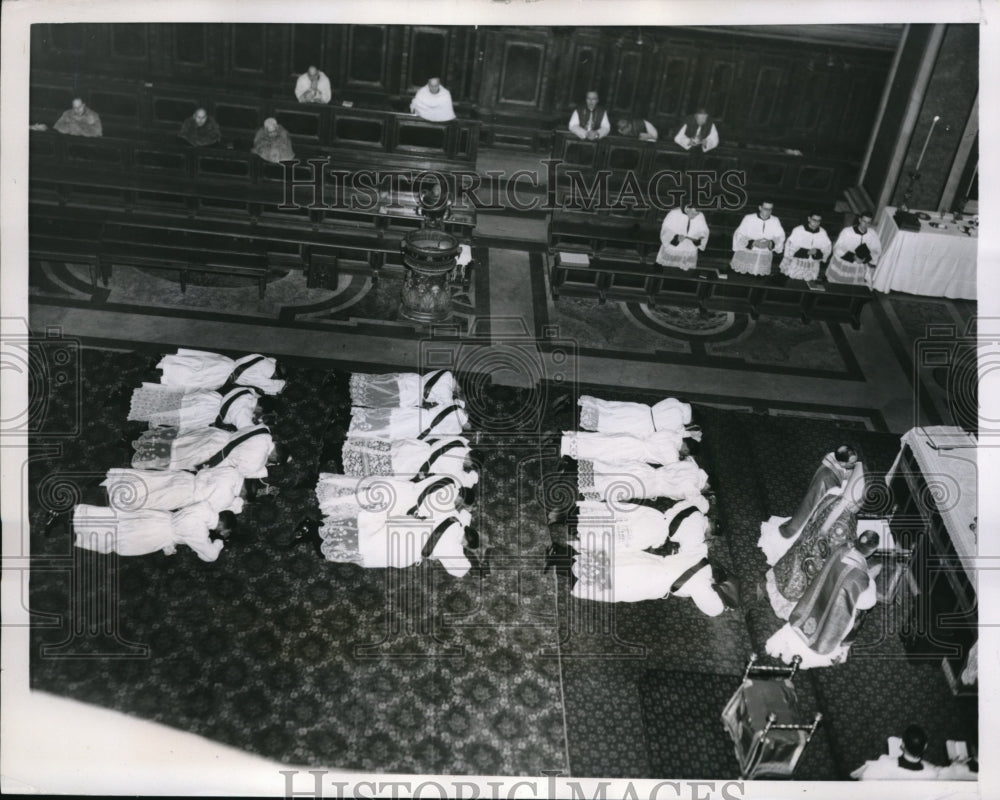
[
  {"x": 645, "y": 137},
  {"x": 817, "y": 254},
  {"x": 593, "y": 135},
  {"x": 38, "y": 126}
]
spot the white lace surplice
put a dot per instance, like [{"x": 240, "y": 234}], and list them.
[
  {"x": 406, "y": 423},
  {"x": 401, "y": 390}
]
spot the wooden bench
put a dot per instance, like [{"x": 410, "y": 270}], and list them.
[
  {"x": 580, "y": 275},
  {"x": 348, "y": 135},
  {"x": 185, "y": 261},
  {"x": 116, "y": 173}
]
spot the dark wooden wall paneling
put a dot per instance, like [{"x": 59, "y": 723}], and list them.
[{"x": 821, "y": 99}]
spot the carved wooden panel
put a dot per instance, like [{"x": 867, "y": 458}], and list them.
[
  {"x": 426, "y": 56},
  {"x": 719, "y": 82},
  {"x": 190, "y": 45},
  {"x": 521, "y": 73},
  {"x": 583, "y": 68},
  {"x": 767, "y": 95},
  {"x": 673, "y": 89},
  {"x": 129, "y": 41},
  {"x": 367, "y": 56},
  {"x": 247, "y": 49},
  {"x": 627, "y": 82},
  {"x": 807, "y": 96},
  {"x": 304, "y": 123},
  {"x": 308, "y": 49}
]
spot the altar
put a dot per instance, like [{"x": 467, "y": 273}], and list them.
[
  {"x": 939, "y": 260},
  {"x": 934, "y": 491}
]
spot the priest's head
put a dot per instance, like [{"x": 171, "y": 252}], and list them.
[
  {"x": 312, "y": 72},
  {"x": 271, "y": 126},
  {"x": 592, "y": 100},
  {"x": 813, "y": 220},
  {"x": 864, "y": 221},
  {"x": 701, "y": 116},
  {"x": 765, "y": 209},
  {"x": 79, "y": 107},
  {"x": 434, "y": 84},
  {"x": 867, "y": 543},
  {"x": 691, "y": 210},
  {"x": 200, "y": 117},
  {"x": 914, "y": 742},
  {"x": 846, "y": 455}
]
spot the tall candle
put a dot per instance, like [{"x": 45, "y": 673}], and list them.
[{"x": 926, "y": 142}]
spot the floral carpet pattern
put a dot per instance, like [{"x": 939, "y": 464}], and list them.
[{"x": 280, "y": 653}]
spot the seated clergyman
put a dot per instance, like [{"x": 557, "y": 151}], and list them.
[
  {"x": 590, "y": 121},
  {"x": 637, "y": 128},
  {"x": 806, "y": 248},
  {"x": 77, "y": 121},
  {"x": 683, "y": 234},
  {"x": 200, "y": 129},
  {"x": 313, "y": 86},
  {"x": 272, "y": 142},
  {"x": 433, "y": 102},
  {"x": 855, "y": 253},
  {"x": 698, "y": 132}
]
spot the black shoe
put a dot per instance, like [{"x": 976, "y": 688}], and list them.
[
  {"x": 306, "y": 531},
  {"x": 471, "y": 538}
]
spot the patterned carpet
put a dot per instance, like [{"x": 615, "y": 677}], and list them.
[{"x": 308, "y": 662}]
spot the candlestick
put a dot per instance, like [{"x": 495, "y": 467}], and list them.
[{"x": 926, "y": 142}]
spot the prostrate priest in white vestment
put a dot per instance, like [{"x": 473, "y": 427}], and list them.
[
  {"x": 198, "y": 369},
  {"x": 614, "y": 416},
  {"x": 136, "y": 490},
  {"x": 374, "y": 539},
  {"x": 627, "y": 526},
  {"x": 633, "y": 576},
  {"x": 807, "y": 247},
  {"x": 247, "y": 449},
  {"x": 106, "y": 530},
  {"x": 403, "y": 389},
  {"x": 433, "y": 102},
  {"x": 409, "y": 458},
  {"x": 343, "y": 497},
  {"x": 855, "y": 254},
  {"x": 659, "y": 447},
  {"x": 755, "y": 241},
  {"x": 681, "y": 480},
  {"x": 170, "y": 406},
  {"x": 684, "y": 232},
  {"x": 408, "y": 423}
]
